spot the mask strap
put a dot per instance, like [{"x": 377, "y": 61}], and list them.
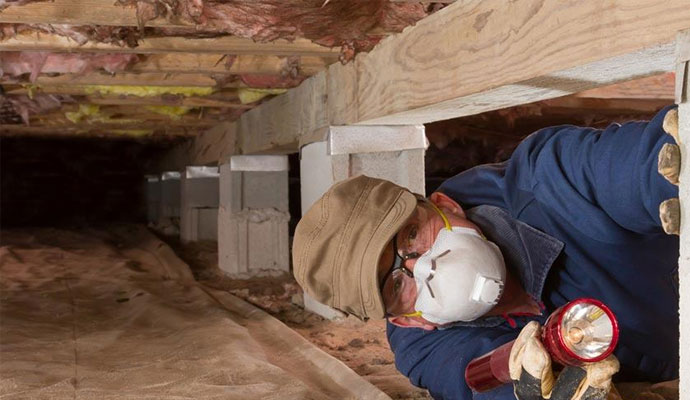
[
  {"x": 414, "y": 314},
  {"x": 443, "y": 216}
]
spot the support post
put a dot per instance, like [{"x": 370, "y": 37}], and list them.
[
  {"x": 683, "y": 100},
  {"x": 199, "y": 204},
  {"x": 169, "y": 212},
  {"x": 253, "y": 216},
  {"x": 395, "y": 153},
  {"x": 153, "y": 198}
]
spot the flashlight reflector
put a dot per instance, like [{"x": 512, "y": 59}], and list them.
[{"x": 584, "y": 330}]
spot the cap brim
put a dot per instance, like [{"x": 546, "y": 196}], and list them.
[{"x": 394, "y": 220}]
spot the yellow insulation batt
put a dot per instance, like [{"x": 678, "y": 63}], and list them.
[
  {"x": 91, "y": 113},
  {"x": 147, "y": 91},
  {"x": 174, "y": 112},
  {"x": 248, "y": 95}
]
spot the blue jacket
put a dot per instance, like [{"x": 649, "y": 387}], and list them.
[{"x": 576, "y": 210}]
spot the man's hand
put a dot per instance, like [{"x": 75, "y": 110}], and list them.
[
  {"x": 530, "y": 369},
  {"x": 669, "y": 167}
]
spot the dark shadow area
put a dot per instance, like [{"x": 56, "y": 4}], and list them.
[
  {"x": 462, "y": 143},
  {"x": 73, "y": 181}
]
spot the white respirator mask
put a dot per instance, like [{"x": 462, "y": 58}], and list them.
[{"x": 460, "y": 278}]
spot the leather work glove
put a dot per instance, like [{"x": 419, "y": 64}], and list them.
[
  {"x": 533, "y": 379},
  {"x": 669, "y": 167}
]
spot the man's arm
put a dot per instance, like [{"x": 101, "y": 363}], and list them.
[
  {"x": 572, "y": 172},
  {"x": 436, "y": 360}
]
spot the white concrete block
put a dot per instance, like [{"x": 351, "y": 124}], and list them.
[
  {"x": 201, "y": 224},
  {"x": 265, "y": 163},
  {"x": 395, "y": 153},
  {"x": 253, "y": 242},
  {"x": 153, "y": 197},
  {"x": 357, "y": 139},
  {"x": 253, "y": 216},
  {"x": 199, "y": 189},
  {"x": 207, "y": 225},
  {"x": 170, "y": 195}
]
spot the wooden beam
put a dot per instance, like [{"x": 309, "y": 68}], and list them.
[
  {"x": 38, "y": 41},
  {"x": 216, "y": 64},
  {"x": 79, "y": 12},
  {"x": 114, "y": 131},
  {"x": 133, "y": 79},
  {"x": 653, "y": 87},
  {"x": 582, "y": 104},
  {"x": 221, "y": 99},
  {"x": 503, "y": 54},
  {"x": 473, "y": 57},
  {"x": 159, "y": 101},
  {"x": 208, "y": 148}
]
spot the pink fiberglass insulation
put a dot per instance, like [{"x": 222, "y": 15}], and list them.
[
  {"x": 118, "y": 35},
  {"x": 357, "y": 25},
  {"x": 6, "y": 3},
  {"x": 37, "y": 104},
  {"x": 15, "y": 64}
]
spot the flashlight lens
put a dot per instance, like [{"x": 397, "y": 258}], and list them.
[{"x": 587, "y": 330}]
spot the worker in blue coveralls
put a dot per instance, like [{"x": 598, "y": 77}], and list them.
[{"x": 574, "y": 212}]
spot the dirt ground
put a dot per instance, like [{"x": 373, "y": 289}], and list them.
[
  {"x": 114, "y": 313},
  {"x": 362, "y": 346}
]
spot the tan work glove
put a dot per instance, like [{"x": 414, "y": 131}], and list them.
[
  {"x": 669, "y": 167},
  {"x": 530, "y": 370}
]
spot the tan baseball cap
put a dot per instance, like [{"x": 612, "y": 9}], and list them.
[{"x": 339, "y": 241}]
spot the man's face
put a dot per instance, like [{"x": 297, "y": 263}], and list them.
[{"x": 414, "y": 239}]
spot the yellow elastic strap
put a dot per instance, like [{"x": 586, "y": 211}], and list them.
[
  {"x": 443, "y": 216},
  {"x": 414, "y": 314}
]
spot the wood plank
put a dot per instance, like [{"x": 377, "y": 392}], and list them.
[
  {"x": 502, "y": 54},
  {"x": 210, "y": 147},
  {"x": 478, "y": 56},
  {"x": 223, "y": 99},
  {"x": 216, "y": 64},
  {"x": 78, "y": 12},
  {"x": 96, "y": 131},
  {"x": 653, "y": 87},
  {"x": 617, "y": 105},
  {"x": 159, "y": 101},
  {"x": 37, "y": 41},
  {"x": 133, "y": 79},
  {"x": 302, "y": 109}
]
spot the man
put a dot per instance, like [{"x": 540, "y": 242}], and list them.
[{"x": 573, "y": 213}]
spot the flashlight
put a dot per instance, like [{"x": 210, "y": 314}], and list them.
[{"x": 582, "y": 331}]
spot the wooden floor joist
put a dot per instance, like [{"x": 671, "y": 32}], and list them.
[
  {"x": 34, "y": 41},
  {"x": 473, "y": 57},
  {"x": 109, "y": 131},
  {"x": 78, "y": 12},
  {"x": 193, "y": 102},
  {"x": 134, "y": 79},
  {"x": 221, "y": 99},
  {"x": 216, "y": 64},
  {"x": 653, "y": 87}
]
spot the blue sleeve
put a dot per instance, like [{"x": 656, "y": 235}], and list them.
[
  {"x": 579, "y": 175},
  {"x": 436, "y": 360}
]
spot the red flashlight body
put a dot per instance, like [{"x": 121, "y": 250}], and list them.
[{"x": 491, "y": 370}]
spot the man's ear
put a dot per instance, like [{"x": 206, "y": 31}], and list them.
[
  {"x": 412, "y": 322},
  {"x": 443, "y": 201}
]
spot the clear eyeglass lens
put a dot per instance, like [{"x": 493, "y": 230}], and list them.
[
  {"x": 394, "y": 290},
  {"x": 587, "y": 330},
  {"x": 405, "y": 248}
]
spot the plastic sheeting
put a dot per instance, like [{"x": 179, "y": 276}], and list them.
[{"x": 115, "y": 314}]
